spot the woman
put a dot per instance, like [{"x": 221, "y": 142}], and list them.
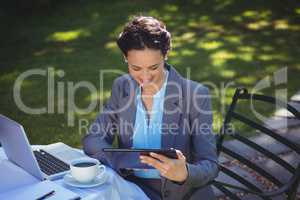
[{"x": 154, "y": 107}]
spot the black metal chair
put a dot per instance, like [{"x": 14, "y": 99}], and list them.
[{"x": 288, "y": 189}]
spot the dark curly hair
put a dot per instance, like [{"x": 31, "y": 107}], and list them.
[{"x": 144, "y": 32}]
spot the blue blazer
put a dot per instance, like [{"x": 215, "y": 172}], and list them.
[{"x": 187, "y": 126}]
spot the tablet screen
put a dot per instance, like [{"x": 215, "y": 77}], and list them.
[{"x": 170, "y": 153}]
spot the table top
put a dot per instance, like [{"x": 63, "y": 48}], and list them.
[{"x": 114, "y": 188}]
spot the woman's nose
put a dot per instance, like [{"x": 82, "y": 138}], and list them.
[{"x": 145, "y": 75}]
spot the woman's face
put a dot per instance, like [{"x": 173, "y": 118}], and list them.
[{"x": 146, "y": 67}]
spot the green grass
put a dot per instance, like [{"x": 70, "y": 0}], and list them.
[{"x": 220, "y": 41}]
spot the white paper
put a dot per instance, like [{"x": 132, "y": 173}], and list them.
[{"x": 13, "y": 176}]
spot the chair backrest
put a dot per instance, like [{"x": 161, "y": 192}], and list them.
[{"x": 256, "y": 172}]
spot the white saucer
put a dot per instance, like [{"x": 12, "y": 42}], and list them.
[{"x": 69, "y": 180}]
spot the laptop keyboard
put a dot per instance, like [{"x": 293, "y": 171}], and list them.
[{"x": 49, "y": 164}]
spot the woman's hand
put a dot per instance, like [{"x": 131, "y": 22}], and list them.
[{"x": 172, "y": 169}]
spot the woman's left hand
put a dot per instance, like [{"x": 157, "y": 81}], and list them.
[{"x": 172, "y": 169}]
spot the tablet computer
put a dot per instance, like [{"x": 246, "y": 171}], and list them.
[{"x": 170, "y": 153}]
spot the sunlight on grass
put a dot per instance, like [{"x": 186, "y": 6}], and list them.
[
  {"x": 90, "y": 116},
  {"x": 209, "y": 45},
  {"x": 170, "y": 8},
  {"x": 246, "y": 56},
  {"x": 217, "y": 122},
  {"x": 226, "y": 73},
  {"x": 26, "y": 84},
  {"x": 246, "y": 53},
  {"x": 281, "y": 24},
  {"x": 9, "y": 77},
  {"x": 247, "y": 80},
  {"x": 212, "y": 35},
  {"x": 265, "y": 57},
  {"x": 221, "y": 57},
  {"x": 154, "y": 13},
  {"x": 205, "y": 23},
  {"x": 250, "y": 13},
  {"x": 68, "y": 36},
  {"x": 221, "y": 4},
  {"x": 68, "y": 50},
  {"x": 111, "y": 46},
  {"x": 235, "y": 39},
  {"x": 41, "y": 52},
  {"x": 267, "y": 48},
  {"x": 188, "y": 37},
  {"x": 204, "y": 18},
  {"x": 237, "y": 18},
  {"x": 258, "y": 25},
  {"x": 173, "y": 53},
  {"x": 294, "y": 27},
  {"x": 248, "y": 49},
  {"x": 98, "y": 96},
  {"x": 262, "y": 19},
  {"x": 176, "y": 61},
  {"x": 220, "y": 109},
  {"x": 229, "y": 94},
  {"x": 45, "y": 51},
  {"x": 268, "y": 57},
  {"x": 187, "y": 52},
  {"x": 167, "y": 18},
  {"x": 192, "y": 23},
  {"x": 284, "y": 24},
  {"x": 215, "y": 27},
  {"x": 254, "y": 14},
  {"x": 271, "y": 68}
]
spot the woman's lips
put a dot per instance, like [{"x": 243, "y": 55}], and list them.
[{"x": 144, "y": 82}]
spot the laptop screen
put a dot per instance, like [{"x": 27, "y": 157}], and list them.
[{"x": 16, "y": 146}]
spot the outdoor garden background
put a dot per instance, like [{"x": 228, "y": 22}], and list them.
[{"x": 219, "y": 41}]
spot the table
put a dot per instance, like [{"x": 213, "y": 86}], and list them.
[{"x": 115, "y": 188}]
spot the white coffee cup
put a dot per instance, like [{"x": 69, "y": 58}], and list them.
[{"x": 85, "y": 170}]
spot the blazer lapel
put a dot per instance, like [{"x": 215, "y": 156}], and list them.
[
  {"x": 172, "y": 108},
  {"x": 128, "y": 110}
]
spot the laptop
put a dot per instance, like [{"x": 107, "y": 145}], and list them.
[{"x": 38, "y": 163}]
